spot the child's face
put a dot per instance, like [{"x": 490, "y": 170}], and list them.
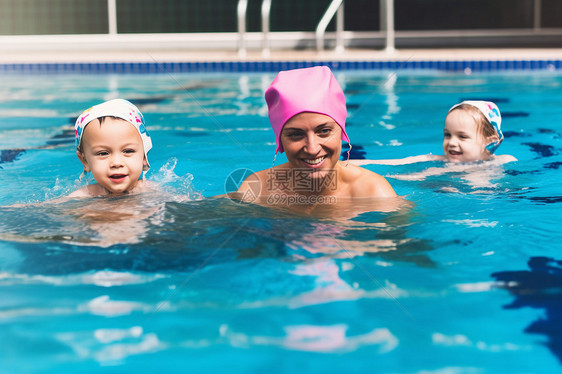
[
  {"x": 312, "y": 142},
  {"x": 462, "y": 142},
  {"x": 114, "y": 153}
]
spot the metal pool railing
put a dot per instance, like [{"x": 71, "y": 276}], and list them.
[
  {"x": 242, "y": 40},
  {"x": 336, "y": 7}
]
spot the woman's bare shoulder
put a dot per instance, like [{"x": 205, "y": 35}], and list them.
[
  {"x": 367, "y": 183},
  {"x": 252, "y": 187}
]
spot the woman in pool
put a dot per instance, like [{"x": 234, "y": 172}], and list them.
[
  {"x": 113, "y": 144},
  {"x": 307, "y": 112},
  {"x": 472, "y": 133}
]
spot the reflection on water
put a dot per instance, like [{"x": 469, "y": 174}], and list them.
[
  {"x": 153, "y": 232},
  {"x": 110, "y": 265},
  {"x": 311, "y": 338},
  {"x": 540, "y": 287}
]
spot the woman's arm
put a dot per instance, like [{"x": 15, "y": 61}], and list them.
[{"x": 400, "y": 161}]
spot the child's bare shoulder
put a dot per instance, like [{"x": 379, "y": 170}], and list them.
[
  {"x": 147, "y": 186},
  {"x": 86, "y": 191},
  {"x": 93, "y": 190}
]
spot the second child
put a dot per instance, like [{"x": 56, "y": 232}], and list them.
[{"x": 472, "y": 133}]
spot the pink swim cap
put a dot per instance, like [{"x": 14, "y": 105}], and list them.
[{"x": 305, "y": 90}]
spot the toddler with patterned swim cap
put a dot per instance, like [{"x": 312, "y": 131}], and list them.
[
  {"x": 307, "y": 113},
  {"x": 112, "y": 143},
  {"x": 472, "y": 133}
]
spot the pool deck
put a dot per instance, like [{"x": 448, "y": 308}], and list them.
[{"x": 188, "y": 55}]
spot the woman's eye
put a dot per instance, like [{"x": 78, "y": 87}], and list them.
[
  {"x": 294, "y": 135},
  {"x": 325, "y": 131}
]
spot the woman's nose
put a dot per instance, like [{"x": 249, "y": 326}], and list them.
[{"x": 313, "y": 144}]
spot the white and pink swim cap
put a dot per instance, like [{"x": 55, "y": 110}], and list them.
[
  {"x": 305, "y": 90},
  {"x": 119, "y": 108}
]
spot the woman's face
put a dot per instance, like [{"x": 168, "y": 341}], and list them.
[{"x": 312, "y": 143}]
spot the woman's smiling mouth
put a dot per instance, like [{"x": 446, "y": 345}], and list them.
[{"x": 315, "y": 161}]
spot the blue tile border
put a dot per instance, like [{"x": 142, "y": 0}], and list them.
[{"x": 274, "y": 66}]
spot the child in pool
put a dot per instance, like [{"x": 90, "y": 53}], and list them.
[
  {"x": 307, "y": 112},
  {"x": 113, "y": 144},
  {"x": 472, "y": 133}
]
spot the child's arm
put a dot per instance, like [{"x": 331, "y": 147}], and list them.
[
  {"x": 504, "y": 158},
  {"x": 400, "y": 161}
]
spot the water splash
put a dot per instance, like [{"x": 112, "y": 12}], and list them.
[
  {"x": 64, "y": 188},
  {"x": 181, "y": 186},
  {"x": 177, "y": 188}
]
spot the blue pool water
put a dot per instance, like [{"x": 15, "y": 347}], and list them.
[{"x": 467, "y": 279}]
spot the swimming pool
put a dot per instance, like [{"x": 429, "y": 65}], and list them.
[{"x": 468, "y": 280}]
